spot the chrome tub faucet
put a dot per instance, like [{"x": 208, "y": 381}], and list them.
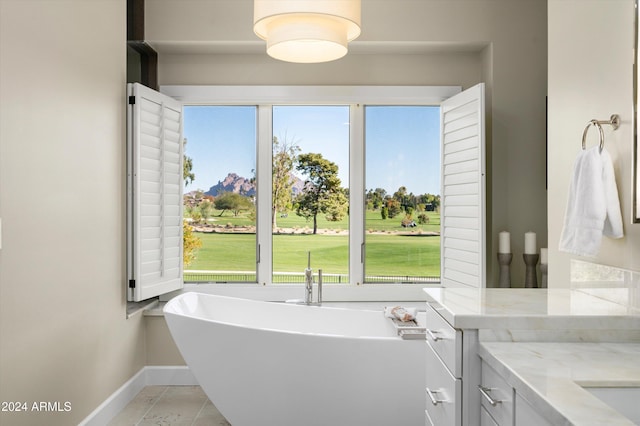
[{"x": 308, "y": 283}]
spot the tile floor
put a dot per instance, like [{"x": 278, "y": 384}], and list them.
[{"x": 170, "y": 406}]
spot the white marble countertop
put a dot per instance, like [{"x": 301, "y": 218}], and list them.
[
  {"x": 537, "y": 309},
  {"x": 551, "y": 376}
]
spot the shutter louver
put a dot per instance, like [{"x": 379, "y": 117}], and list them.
[
  {"x": 154, "y": 182},
  {"x": 462, "y": 207}
]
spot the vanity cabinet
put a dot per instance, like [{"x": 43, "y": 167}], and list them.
[{"x": 453, "y": 373}]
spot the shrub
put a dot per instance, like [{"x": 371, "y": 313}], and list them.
[{"x": 423, "y": 219}]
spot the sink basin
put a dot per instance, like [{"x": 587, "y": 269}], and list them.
[{"x": 623, "y": 399}]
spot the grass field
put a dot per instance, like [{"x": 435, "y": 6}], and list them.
[{"x": 416, "y": 252}]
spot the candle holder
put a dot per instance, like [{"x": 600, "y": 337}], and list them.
[
  {"x": 544, "y": 267},
  {"x": 504, "y": 277},
  {"x": 530, "y": 277}
]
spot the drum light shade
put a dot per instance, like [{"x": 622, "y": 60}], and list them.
[{"x": 307, "y": 31}]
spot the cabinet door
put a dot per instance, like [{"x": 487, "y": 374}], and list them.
[{"x": 526, "y": 415}]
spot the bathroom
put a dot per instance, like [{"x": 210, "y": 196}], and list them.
[{"x": 63, "y": 327}]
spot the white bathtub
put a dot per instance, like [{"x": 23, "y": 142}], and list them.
[{"x": 277, "y": 364}]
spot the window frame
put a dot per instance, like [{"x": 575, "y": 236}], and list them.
[{"x": 264, "y": 97}]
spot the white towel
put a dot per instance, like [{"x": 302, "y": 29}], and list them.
[
  {"x": 403, "y": 314},
  {"x": 593, "y": 207}
]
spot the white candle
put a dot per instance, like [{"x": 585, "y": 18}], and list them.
[
  {"x": 504, "y": 245},
  {"x": 530, "y": 243},
  {"x": 544, "y": 256}
]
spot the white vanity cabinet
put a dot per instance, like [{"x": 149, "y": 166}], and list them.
[{"x": 453, "y": 373}]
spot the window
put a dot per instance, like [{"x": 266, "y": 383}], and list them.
[
  {"x": 349, "y": 175},
  {"x": 310, "y": 203},
  {"x": 402, "y": 210},
  {"x": 220, "y": 193},
  {"x": 317, "y": 160}
]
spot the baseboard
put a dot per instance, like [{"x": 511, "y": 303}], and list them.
[{"x": 147, "y": 376}]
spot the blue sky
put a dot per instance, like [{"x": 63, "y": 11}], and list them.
[{"x": 402, "y": 143}]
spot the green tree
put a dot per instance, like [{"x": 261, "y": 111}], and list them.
[
  {"x": 206, "y": 209},
  {"x": 393, "y": 207},
  {"x": 233, "y": 202},
  {"x": 284, "y": 160},
  {"x": 187, "y": 166},
  {"x": 375, "y": 198},
  {"x": 337, "y": 206},
  {"x": 322, "y": 189}
]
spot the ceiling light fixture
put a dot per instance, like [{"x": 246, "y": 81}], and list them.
[{"x": 307, "y": 31}]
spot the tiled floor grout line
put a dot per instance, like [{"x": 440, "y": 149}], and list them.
[
  {"x": 204, "y": 404},
  {"x": 152, "y": 405}
]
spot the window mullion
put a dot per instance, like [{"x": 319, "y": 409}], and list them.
[
  {"x": 356, "y": 194},
  {"x": 264, "y": 192}
]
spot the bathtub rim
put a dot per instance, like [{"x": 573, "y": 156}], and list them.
[
  {"x": 373, "y": 292},
  {"x": 169, "y": 309}
]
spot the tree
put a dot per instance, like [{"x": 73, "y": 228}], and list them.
[
  {"x": 284, "y": 160},
  {"x": 322, "y": 191},
  {"x": 375, "y": 198},
  {"x": 191, "y": 244},
  {"x": 393, "y": 207},
  {"x": 187, "y": 166},
  {"x": 337, "y": 206},
  {"x": 232, "y": 201},
  {"x": 206, "y": 209}
]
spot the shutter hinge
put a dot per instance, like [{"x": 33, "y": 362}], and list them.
[
  {"x": 132, "y": 283},
  {"x": 132, "y": 100}
]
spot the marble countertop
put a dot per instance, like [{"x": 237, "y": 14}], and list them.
[
  {"x": 551, "y": 376},
  {"x": 537, "y": 309}
]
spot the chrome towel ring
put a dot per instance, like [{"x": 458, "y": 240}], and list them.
[{"x": 614, "y": 121}]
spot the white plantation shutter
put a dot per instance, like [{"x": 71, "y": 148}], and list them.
[
  {"x": 154, "y": 193},
  {"x": 462, "y": 204}
]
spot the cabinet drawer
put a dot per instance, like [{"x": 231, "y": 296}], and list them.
[
  {"x": 486, "y": 419},
  {"x": 445, "y": 340},
  {"x": 496, "y": 396},
  {"x": 443, "y": 391}
]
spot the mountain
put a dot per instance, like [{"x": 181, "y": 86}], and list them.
[
  {"x": 233, "y": 183},
  {"x": 242, "y": 185}
]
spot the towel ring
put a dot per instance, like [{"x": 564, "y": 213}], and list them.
[{"x": 614, "y": 122}]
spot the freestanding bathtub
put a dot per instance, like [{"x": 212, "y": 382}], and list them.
[{"x": 278, "y": 364}]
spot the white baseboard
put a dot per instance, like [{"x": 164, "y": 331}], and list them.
[{"x": 147, "y": 376}]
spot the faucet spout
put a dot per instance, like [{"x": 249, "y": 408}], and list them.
[
  {"x": 319, "y": 286},
  {"x": 308, "y": 279}
]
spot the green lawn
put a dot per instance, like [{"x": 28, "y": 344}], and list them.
[{"x": 417, "y": 254}]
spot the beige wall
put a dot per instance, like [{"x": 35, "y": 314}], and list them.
[
  {"x": 159, "y": 345},
  {"x": 590, "y": 76},
  {"x": 64, "y": 336},
  {"x": 452, "y": 42}
]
